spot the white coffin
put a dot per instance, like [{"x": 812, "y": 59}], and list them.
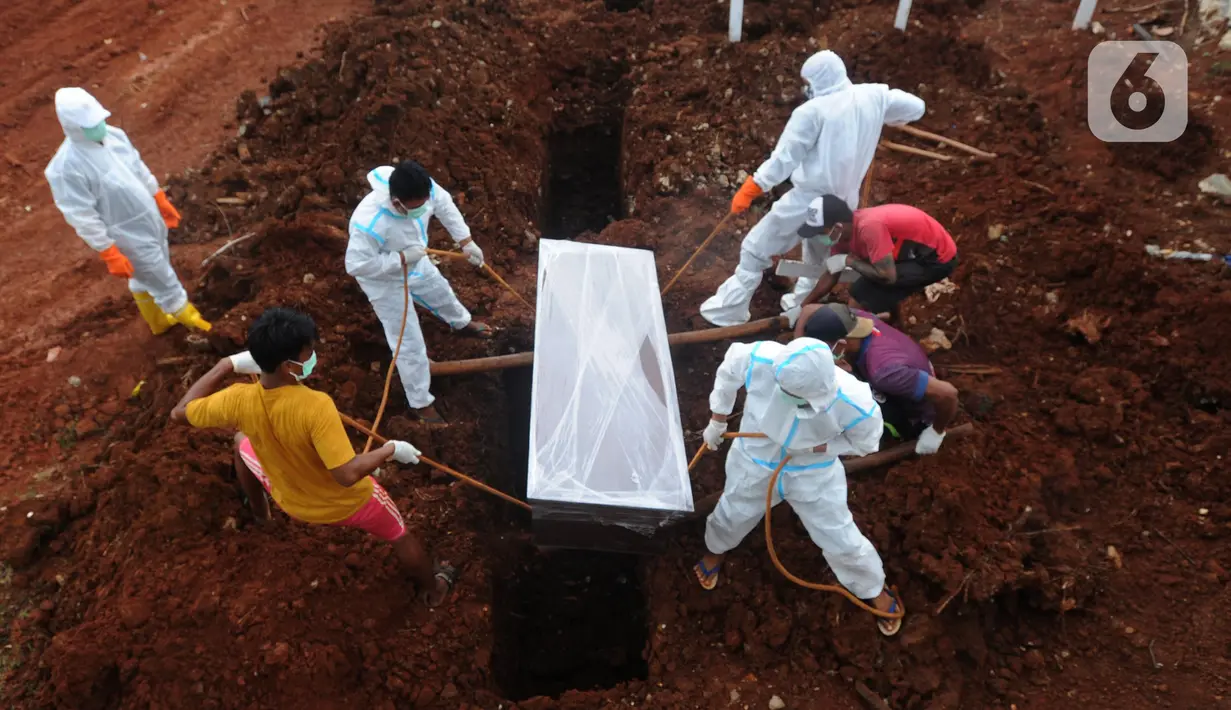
[{"x": 606, "y": 443}]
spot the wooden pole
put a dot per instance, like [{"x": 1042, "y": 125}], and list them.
[
  {"x": 708, "y": 335},
  {"x": 928, "y": 135},
  {"x": 881, "y": 458},
  {"x": 914, "y": 151},
  {"x": 865, "y": 194}
]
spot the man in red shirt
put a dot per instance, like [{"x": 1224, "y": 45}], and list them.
[{"x": 897, "y": 250}]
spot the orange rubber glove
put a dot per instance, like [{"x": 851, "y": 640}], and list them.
[
  {"x": 748, "y": 192},
  {"x": 117, "y": 263},
  {"x": 170, "y": 215}
]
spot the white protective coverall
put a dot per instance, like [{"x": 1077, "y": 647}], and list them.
[
  {"x": 841, "y": 413},
  {"x": 826, "y": 148},
  {"x": 106, "y": 193},
  {"x": 377, "y": 235}
]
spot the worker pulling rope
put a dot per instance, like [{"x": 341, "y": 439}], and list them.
[{"x": 769, "y": 538}]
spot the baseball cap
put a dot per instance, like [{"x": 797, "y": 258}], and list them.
[
  {"x": 828, "y": 210},
  {"x": 835, "y": 321}
]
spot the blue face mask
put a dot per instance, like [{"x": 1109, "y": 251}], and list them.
[
  {"x": 96, "y": 133},
  {"x": 308, "y": 366}
]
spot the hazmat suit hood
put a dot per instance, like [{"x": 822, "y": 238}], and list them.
[
  {"x": 805, "y": 369},
  {"x": 825, "y": 73},
  {"x": 378, "y": 178},
  {"x": 77, "y": 109}
]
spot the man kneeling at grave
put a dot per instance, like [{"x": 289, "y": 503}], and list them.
[{"x": 914, "y": 401}]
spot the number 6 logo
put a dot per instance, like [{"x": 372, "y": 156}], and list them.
[{"x": 1110, "y": 64}]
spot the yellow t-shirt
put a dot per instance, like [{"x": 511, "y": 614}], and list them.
[{"x": 298, "y": 437}]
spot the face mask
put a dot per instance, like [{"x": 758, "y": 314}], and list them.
[
  {"x": 308, "y": 366},
  {"x": 413, "y": 213},
  {"x": 806, "y": 89},
  {"x": 797, "y": 401},
  {"x": 837, "y": 356},
  {"x": 96, "y": 133}
]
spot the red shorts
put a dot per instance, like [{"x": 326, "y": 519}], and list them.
[{"x": 378, "y": 517}]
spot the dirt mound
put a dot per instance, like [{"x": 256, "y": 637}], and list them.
[{"x": 630, "y": 125}]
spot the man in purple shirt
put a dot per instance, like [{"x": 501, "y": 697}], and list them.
[{"x": 915, "y": 402}]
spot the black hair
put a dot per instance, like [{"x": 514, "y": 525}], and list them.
[
  {"x": 410, "y": 181},
  {"x": 834, "y": 210},
  {"x": 280, "y": 334}
]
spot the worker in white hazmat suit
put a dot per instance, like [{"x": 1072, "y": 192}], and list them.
[
  {"x": 826, "y": 148},
  {"x": 811, "y": 412},
  {"x": 389, "y": 228},
  {"x": 109, "y": 196}
]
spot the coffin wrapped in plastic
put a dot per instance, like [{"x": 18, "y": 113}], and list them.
[{"x": 606, "y": 444}]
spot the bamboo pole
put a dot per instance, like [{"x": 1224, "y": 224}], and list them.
[
  {"x": 928, "y": 135},
  {"x": 708, "y": 335},
  {"x": 914, "y": 151}
]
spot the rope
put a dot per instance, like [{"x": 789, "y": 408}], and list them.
[
  {"x": 729, "y": 435},
  {"x": 439, "y": 466},
  {"x": 384, "y": 398},
  {"x": 486, "y": 267},
  {"x": 769, "y": 537},
  {"x": 773, "y": 555},
  {"x": 697, "y": 253}
]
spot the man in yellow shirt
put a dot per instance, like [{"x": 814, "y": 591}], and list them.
[{"x": 291, "y": 443}]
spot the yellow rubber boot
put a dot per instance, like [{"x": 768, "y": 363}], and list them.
[
  {"x": 191, "y": 317},
  {"x": 158, "y": 321}
]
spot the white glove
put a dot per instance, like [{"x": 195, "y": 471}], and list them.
[
  {"x": 404, "y": 453},
  {"x": 413, "y": 255},
  {"x": 792, "y": 315},
  {"x": 713, "y": 434},
  {"x": 929, "y": 442},
  {"x": 473, "y": 253},
  {"x": 243, "y": 364},
  {"x": 836, "y": 264}
]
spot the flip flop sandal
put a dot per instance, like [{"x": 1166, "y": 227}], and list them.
[
  {"x": 890, "y": 627},
  {"x": 447, "y": 573},
  {"x": 707, "y": 577}
]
